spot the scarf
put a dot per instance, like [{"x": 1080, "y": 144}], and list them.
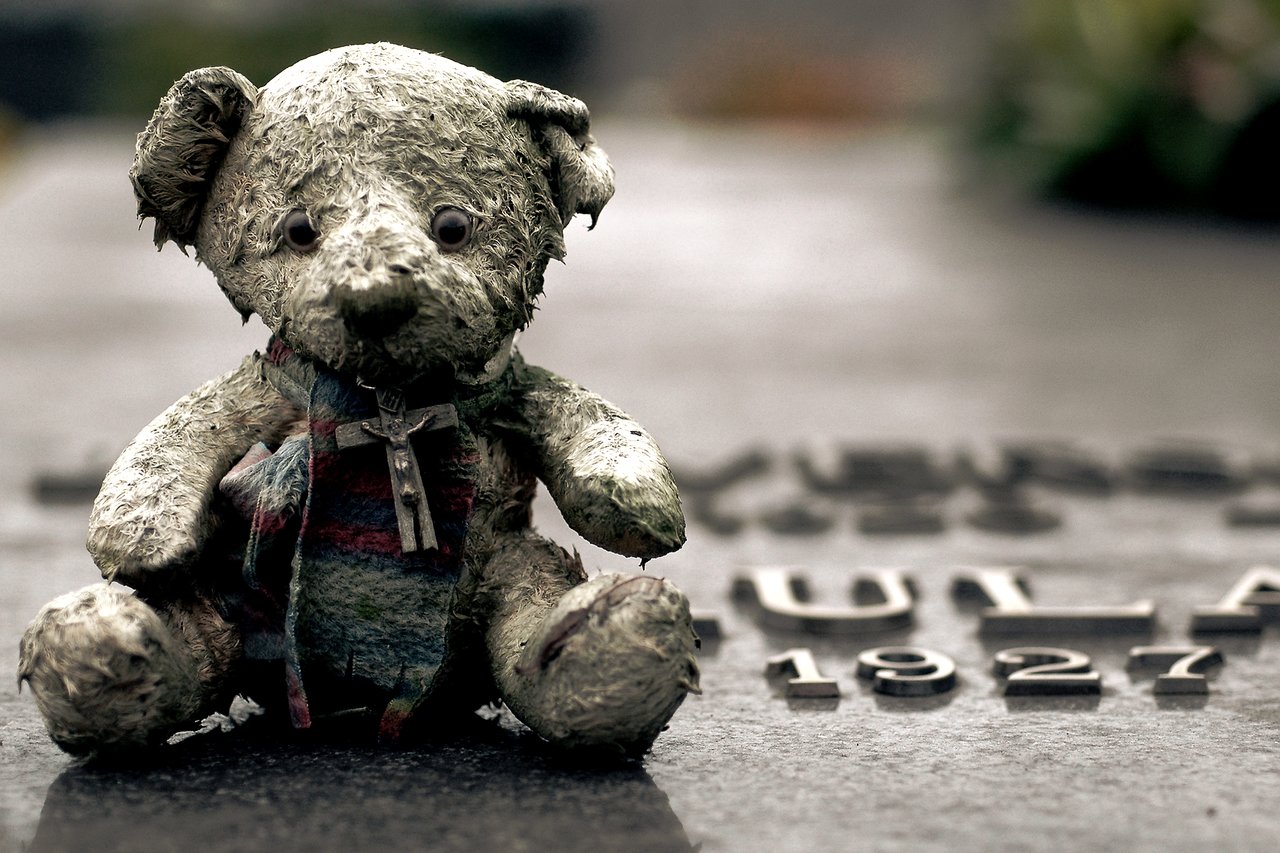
[{"x": 327, "y": 588}]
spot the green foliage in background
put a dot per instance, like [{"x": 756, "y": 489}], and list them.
[{"x": 1162, "y": 104}]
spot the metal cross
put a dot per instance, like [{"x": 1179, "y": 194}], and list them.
[{"x": 395, "y": 426}]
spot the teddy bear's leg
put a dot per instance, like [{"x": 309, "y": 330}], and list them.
[
  {"x": 110, "y": 673},
  {"x": 600, "y": 663}
]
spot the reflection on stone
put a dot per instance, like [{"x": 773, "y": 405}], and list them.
[
  {"x": 911, "y": 704},
  {"x": 237, "y": 795},
  {"x": 1086, "y": 702}
]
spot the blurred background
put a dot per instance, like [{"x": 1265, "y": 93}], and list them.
[
  {"x": 839, "y": 223},
  {"x": 1157, "y": 104},
  {"x": 884, "y": 217}
]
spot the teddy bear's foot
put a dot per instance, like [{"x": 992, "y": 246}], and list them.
[
  {"x": 608, "y": 666},
  {"x": 106, "y": 671}
]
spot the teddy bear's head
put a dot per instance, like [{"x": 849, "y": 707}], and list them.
[{"x": 383, "y": 210}]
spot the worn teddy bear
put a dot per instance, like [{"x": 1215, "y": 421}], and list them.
[{"x": 350, "y": 512}]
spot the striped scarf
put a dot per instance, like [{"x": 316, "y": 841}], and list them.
[{"x": 327, "y": 588}]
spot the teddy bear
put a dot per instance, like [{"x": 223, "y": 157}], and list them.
[{"x": 343, "y": 521}]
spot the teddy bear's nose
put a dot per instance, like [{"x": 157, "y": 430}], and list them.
[{"x": 379, "y": 307}]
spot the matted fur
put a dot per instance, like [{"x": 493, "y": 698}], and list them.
[
  {"x": 372, "y": 142},
  {"x": 184, "y": 145},
  {"x": 105, "y": 669}
]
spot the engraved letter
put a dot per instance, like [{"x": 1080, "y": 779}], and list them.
[
  {"x": 1186, "y": 663},
  {"x": 1044, "y": 671},
  {"x": 1241, "y": 608},
  {"x": 1011, "y": 611},
  {"x": 907, "y": 671},
  {"x": 781, "y": 596},
  {"x": 808, "y": 682}
]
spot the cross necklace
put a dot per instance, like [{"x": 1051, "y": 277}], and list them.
[{"x": 395, "y": 425}]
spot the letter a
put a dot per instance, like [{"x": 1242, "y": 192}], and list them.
[{"x": 1241, "y": 609}]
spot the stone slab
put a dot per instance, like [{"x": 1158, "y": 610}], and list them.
[{"x": 837, "y": 278}]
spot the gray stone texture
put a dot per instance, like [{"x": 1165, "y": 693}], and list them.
[{"x": 779, "y": 288}]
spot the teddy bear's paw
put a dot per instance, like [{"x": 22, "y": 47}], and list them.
[
  {"x": 609, "y": 665},
  {"x": 616, "y": 490},
  {"x": 144, "y": 530},
  {"x": 107, "y": 673}
]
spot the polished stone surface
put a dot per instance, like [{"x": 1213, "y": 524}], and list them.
[{"x": 781, "y": 289}]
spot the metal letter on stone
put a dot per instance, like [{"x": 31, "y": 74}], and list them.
[
  {"x": 907, "y": 670},
  {"x": 781, "y": 595},
  {"x": 396, "y": 426},
  {"x": 1045, "y": 671},
  {"x": 1241, "y": 609},
  {"x": 806, "y": 681},
  {"x": 1011, "y": 611},
  {"x": 1186, "y": 665}
]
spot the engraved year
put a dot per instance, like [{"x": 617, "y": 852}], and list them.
[{"x": 1022, "y": 671}]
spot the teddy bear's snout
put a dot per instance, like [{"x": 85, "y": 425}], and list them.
[
  {"x": 379, "y": 270},
  {"x": 379, "y": 305}
]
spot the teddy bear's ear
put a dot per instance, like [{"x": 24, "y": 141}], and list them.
[
  {"x": 581, "y": 176},
  {"x": 179, "y": 153}
]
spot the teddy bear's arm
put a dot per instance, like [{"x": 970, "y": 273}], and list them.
[
  {"x": 603, "y": 469},
  {"x": 153, "y": 512}
]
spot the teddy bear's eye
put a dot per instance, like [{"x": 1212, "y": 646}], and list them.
[
  {"x": 452, "y": 228},
  {"x": 298, "y": 232}
]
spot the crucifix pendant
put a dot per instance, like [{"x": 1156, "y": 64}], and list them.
[{"x": 395, "y": 426}]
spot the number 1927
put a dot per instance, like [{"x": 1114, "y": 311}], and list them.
[{"x": 1025, "y": 671}]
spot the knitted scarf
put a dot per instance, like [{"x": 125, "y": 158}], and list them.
[{"x": 327, "y": 588}]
